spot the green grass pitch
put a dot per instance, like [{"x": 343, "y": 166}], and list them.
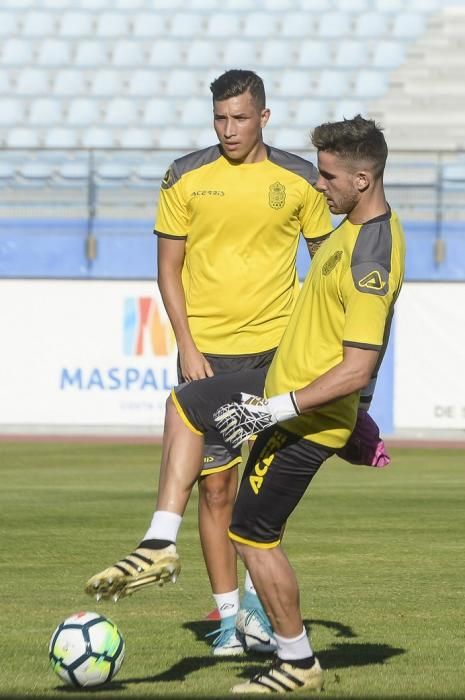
[{"x": 379, "y": 555}]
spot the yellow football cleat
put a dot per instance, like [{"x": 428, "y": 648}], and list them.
[
  {"x": 283, "y": 677},
  {"x": 141, "y": 568}
]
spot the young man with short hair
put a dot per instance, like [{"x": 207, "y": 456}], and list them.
[
  {"x": 228, "y": 223},
  {"x": 332, "y": 347}
]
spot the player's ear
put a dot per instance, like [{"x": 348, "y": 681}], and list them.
[
  {"x": 264, "y": 116},
  {"x": 362, "y": 180}
]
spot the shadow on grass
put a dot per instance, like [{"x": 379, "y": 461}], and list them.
[{"x": 339, "y": 655}]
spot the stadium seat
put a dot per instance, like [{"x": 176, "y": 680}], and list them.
[
  {"x": 353, "y": 6},
  {"x": 261, "y": 25},
  {"x": 239, "y": 5},
  {"x": 149, "y": 25},
  {"x": 121, "y": 112},
  {"x": 186, "y": 24},
  {"x": 83, "y": 111},
  {"x": 278, "y": 5},
  {"x": 22, "y": 138},
  {"x": 350, "y": 54},
  {"x": 143, "y": 83},
  {"x": 9, "y": 23},
  {"x": 426, "y": 5},
  {"x": 96, "y": 137},
  {"x": 291, "y": 139},
  {"x": 346, "y": 109},
  {"x": 181, "y": 83},
  {"x": 91, "y": 53},
  {"x": 106, "y": 83},
  {"x": 204, "y": 138},
  {"x": 128, "y": 53},
  {"x": 388, "y": 54},
  {"x": 69, "y": 82},
  {"x": 238, "y": 52},
  {"x": 371, "y": 25},
  {"x": 113, "y": 170},
  {"x": 94, "y": 4},
  {"x": 76, "y": 24},
  {"x": 45, "y": 111},
  {"x": 280, "y": 112},
  {"x": 11, "y": 111},
  {"x": 298, "y": 25},
  {"x": 6, "y": 82},
  {"x": 370, "y": 84},
  {"x": 17, "y": 52},
  {"x": 196, "y": 112},
  {"x": 386, "y": 7},
  {"x": 222, "y": 24},
  {"x": 151, "y": 171},
  {"x": 334, "y": 24},
  {"x": 332, "y": 83},
  {"x": 38, "y": 24},
  {"x": 60, "y": 138},
  {"x": 112, "y": 24},
  {"x": 7, "y": 172},
  {"x": 310, "y": 113},
  {"x": 454, "y": 175},
  {"x": 54, "y": 52},
  {"x": 74, "y": 170},
  {"x": 166, "y": 53},
  {"x": 130, "y": 4},
  {"x": 32, "y": 81},
  {"x": 36, "y": 172},
  {"x": 159, "y": 112},
  {"x": 277, "y": 53},
  {"x": 295, "y": 83},
  {"x": 407, "y": 25},
  {"x": 201, "y": 53},
  {"x": 137, "y": 138},
  {"x": 312, "y": 53},
  {"x": 176, "y": 138}
]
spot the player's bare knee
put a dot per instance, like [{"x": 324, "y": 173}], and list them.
[{"x": 215, "y": 491}]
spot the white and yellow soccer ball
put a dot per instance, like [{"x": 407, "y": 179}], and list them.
[{"x": 86, "y": 649}]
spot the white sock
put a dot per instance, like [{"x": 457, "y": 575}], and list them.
[
  {"x": 164, "y": 526},
  {"x": 294, "y": 647},
  {"x": 227, "y": 603},
  {"x": 248, "y": 584}
]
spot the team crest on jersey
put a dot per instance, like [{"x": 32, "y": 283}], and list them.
[
  {"x": 167, "y": 180},
  {"x": 331, "y": 262},
  {"x": 277, "y": 195}
]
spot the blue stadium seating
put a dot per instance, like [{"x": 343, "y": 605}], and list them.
[{"x": 93, "y": 74}]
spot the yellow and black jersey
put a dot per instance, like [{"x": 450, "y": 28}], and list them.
[
  {"x": 346, "y": 300},
  {"x": 241, "y": 223}
]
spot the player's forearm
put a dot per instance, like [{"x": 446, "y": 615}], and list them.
[
  {"x": 345, "y": 378},
  {"x": 172, "y": 294}
]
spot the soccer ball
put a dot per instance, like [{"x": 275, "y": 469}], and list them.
[{"x": 86, "y": 649}]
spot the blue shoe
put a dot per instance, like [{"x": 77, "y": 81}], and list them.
[
  {"x": 253, "y": 626},
  {"x": 226, "y": 642}
]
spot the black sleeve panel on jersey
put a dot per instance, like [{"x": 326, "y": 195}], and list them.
[
  {"x": 294, "y": 163},
  {"x": 167, "y": 235},
  {"x": 319, "y": 239},
  {"x": 361, "y": 346},
  {"x": 371, "y": 257},
  {"x": 189, "y": 162}
]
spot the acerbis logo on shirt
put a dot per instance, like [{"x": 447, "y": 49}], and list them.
[{"x": 206, "y": 193}]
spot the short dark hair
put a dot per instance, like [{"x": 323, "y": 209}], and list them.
[
  {"x": 235, "y": 82},
  {"x": 353, "y": 139}
]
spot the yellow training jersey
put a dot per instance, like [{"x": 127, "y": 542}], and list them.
[
  {"x": 347, "y": 299},
  {"x": 241, "y": 223}
]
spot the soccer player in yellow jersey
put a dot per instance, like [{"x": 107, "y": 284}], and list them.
[
  {"x": 228, "y": 222},
  {"x": 332, "y": 346}
]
